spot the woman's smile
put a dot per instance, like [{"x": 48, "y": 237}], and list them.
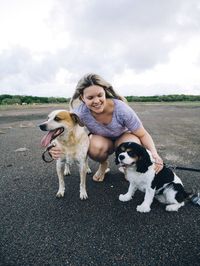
[{"x": 94, "y": 98}]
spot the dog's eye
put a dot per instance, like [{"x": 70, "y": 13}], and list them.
[
  {"x": 57, "y": 119},
  {"x": 131, "y": 153}
]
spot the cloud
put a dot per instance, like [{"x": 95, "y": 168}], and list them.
[
  {"x": 127, "y": 34},
  {"x": 143, "y": 47}
]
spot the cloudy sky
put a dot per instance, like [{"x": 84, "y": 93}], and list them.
[{"x": 142, "y": 47}]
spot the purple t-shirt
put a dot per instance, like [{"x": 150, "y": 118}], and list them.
[{"x": 123, "y": 119}]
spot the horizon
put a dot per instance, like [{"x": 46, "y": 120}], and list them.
[{"x": 158, "y": 95}]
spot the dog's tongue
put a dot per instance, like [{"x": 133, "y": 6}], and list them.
[{"x": 49, "y": 136}]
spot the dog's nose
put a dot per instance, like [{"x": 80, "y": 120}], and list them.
[
  {"x": 43, "y": 127},
  {"x": 121, "y": 157}
]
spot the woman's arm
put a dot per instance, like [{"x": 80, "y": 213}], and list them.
[{"x": 148, "y": 143}]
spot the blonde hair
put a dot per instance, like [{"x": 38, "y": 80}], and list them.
[{"x": 90, "y": 80}]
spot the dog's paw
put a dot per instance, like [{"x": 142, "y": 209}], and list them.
[
  {"x": 67, "y": 171},
  {"x": 89, "y": 171},
  {"x": 83, "y": 195},
  {"x": 124, "y": 197},
  {"x": 173, "y": 207},
  {"x": 143, "y": 208},
  {"x": 60, "y": 194}
]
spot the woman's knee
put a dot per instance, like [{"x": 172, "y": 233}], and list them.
[
  {"x": 127, "y": 137},
  {"x": 100, "y": 147}
]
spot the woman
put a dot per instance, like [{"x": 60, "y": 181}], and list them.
[{"x": 110, "y": 122}]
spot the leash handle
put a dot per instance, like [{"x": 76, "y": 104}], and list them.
[{"x": 44, "y": 154}]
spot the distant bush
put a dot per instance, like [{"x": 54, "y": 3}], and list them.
[
  {"x": 164, "y": 98},
  {"x": 19, "y": 99},
  {"x": 11, "y": 101}
]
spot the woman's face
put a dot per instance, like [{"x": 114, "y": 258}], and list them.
[{"x": 95, "y": 99}]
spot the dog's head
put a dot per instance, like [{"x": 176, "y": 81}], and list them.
[
  {"x": 58, "y": 122},
  {"x": 132, "y": 154}
]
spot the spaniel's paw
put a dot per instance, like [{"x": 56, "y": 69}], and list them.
[
  {"x": 143, "y": 208},
  {"x": 174, "y": 207},
  {"x": 124, "y": 197}
]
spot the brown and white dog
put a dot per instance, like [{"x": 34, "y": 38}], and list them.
[{"x": 66, "y": 131}]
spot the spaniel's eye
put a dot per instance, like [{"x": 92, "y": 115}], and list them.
[
  {"x": 131, "y": 153},
  {"x": 57, "y": 119}
]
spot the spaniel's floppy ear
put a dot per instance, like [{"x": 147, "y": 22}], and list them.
[
  {"x": 76, "y": 119},
  {"x": 116, "y": 160},
  {"x": 117, "y": 153},
  {"x": 143, "y": 161}
]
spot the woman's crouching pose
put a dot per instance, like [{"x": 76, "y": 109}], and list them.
[{"x": 110, "y": 121}]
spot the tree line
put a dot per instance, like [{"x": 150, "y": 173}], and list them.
[
  {"x": 7, "y": 99},
  {"x": 20, "y": 100},
  {"x": 164, "y": 98}
]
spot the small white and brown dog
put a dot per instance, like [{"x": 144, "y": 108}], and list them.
[
  {"x": 67, "y": 132},
  {"x": 138, "y": 166}
]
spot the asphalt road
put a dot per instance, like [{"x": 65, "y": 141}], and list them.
[{"x": 36, "y": 228}]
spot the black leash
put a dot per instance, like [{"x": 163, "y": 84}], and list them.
[
  {"x": 182, "y": 168},
  {"x": 179, "y": 167},
  {"x": 44, "y": 154}
]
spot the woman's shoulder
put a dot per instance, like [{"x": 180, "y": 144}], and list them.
[
  {"x": 123, "y": 110},
  {"x": 121, "y": 106},
  {"x": 127, "y": 116}
]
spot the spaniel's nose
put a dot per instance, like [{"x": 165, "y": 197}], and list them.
[{"x": 121, "y": 157}]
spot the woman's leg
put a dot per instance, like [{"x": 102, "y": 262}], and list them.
[
  {"x": 99, "y": 150},
  {"x": 127, "y": 136}
]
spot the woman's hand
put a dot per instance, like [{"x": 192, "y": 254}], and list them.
[
  {"x": 147, "y": 142},
  {"x": 158, "y": 162},
  {"x": 55, "y": 152}
]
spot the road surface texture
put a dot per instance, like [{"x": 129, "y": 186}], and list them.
[{"x": 36, "y": 228}]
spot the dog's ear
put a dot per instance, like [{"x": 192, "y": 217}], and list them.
[
  {"x": 116, "y": 158},
  {"x": 143, "y": 161},
  {"x": 117, "y": 152},
  {"x": 76, "y": 119}
]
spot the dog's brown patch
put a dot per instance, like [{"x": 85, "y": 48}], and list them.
[
  {"x": 69, "y": 118},
  {"x": 64, "y": 117}
]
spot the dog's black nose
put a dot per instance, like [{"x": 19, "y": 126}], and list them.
[
  {"x": 43, "y": 127},
  {"x": 121, "y": 157}
]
